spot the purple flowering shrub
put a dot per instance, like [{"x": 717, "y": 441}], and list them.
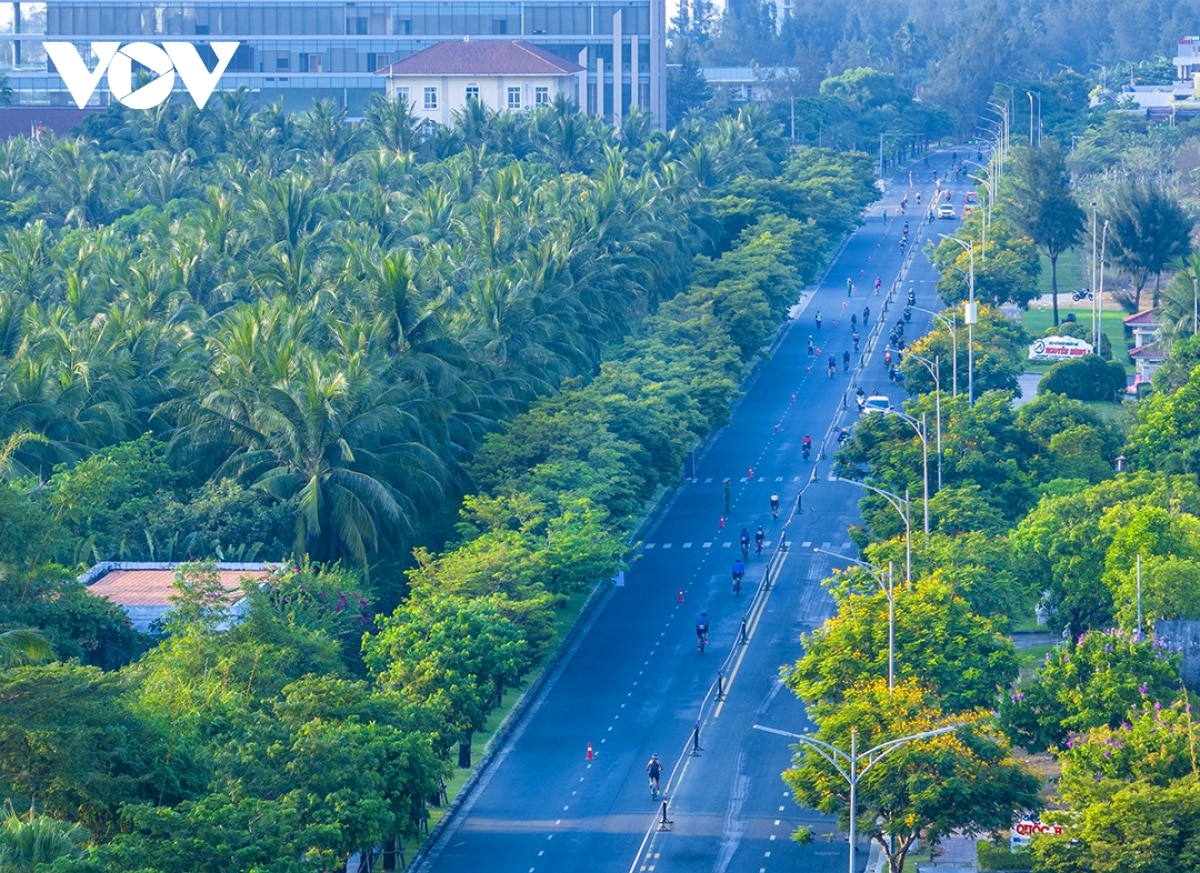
[{"x": 1099, "y": 681}]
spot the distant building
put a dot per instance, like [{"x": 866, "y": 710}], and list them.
[
  {"x": 1178, "y": 100},
  {"x": 1147, "y": 352},
  {"x": 438, "y": 81},
  {"x": 302, "y": 51},
  {"x": 749, "y": 84},
  {"x": 145, "y": 590}
]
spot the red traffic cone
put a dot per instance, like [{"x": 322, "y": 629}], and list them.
[
  {"x": 722, "y": 521},
  {"x": 681, "y": 595},
  {"x": 590, "y": 753}
]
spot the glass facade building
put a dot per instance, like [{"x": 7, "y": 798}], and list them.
[{"x": 302, "y": 50}]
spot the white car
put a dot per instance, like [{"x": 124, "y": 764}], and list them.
[
  {"x": 946, "y": 210},
  {"x": 876, "y": 403}
]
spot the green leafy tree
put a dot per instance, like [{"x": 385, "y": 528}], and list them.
[
  {"x": 453, "y": 652},
  {"x": 1044, "y": 207},
  {"x": 1063, "y": 543},
  {"x": 964, "y": 780},
  {"x": 1167, "y": 434},
  {"x": 1073, "y": 441},
  {"x": 955, "y": 655},
  {"x": 1149, "y": 230},
  {"x": 1130, "y": 793},
  {"x": 1152, "y": 564},
  {"x": 1087, "y": 378},
  {"x": 1097, "y": 682},
  {"x": 68, "y": 740}
]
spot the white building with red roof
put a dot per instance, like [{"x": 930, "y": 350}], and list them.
[
  {"x": 501, "y": 74},
  {"x": 146, "y": 590},
  {"x": 1147, "y": 352}
]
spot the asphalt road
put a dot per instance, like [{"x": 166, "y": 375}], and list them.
[{"x": 634, "y": 684}]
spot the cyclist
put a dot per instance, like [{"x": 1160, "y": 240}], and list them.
[
  {"x": 759, "y": 536},
  {"x": 846, "y": 361},
  {"x": 805, "y": 448},
  {"x": 774, "y": 506},
  {"x": 866, "y": 314},
  {"x": 745, "y": 539},
  {"x": 879, "y": 282},
  {"x": 739, "y": 573},
  {"x": 856, "y": 341},
  {"x": 702, "y": 631},
  {"x": 654, "y": 767}
]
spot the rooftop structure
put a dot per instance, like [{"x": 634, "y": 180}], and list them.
[
  {"x": 330, "y": 49},
  {"x": 145, "y": 590}
]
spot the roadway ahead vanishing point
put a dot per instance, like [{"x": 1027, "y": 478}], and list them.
[{"x": 632, "y": 683}]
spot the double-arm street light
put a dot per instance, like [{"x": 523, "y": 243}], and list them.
[
  {"x": 901, "y": 505},
  {"x": 970, "y": 316},
  {"x": 987, "y": 215},
  {"x": 854, "y": 765},
  {"x": 935, "y": 370},
  {"x": 922, "y": 434},
  {"x": 949, "y": 323},
  {"x": 890, "y": 592}
]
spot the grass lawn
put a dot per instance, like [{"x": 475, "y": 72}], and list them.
[{"x": 1028, "y": 660}]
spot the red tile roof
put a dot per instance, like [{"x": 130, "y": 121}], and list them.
[
  {"x": 156, "y": 587},
  {"x": 1147, "y": 317},
  {"x": 482, "y": 58}
]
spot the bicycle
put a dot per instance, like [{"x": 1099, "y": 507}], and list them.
[
  {"x": 758, "y": 544},
  {"x": 745, "y": 549},
  {"x": 737, "y": 583},
  {"x": 701, "y": 640},
  {"x": 653, "y": 788}
]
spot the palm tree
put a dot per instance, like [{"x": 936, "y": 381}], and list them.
[
  {"x": 392, "y": 124},
  {"x": 342, "y": 451},
  {"x": 20, "y": 646},
  {"x": 28, "y": 843}
]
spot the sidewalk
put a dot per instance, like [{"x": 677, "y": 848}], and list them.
[{"x": 955, "y": 854}]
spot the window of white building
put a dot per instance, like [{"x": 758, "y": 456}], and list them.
[
  {"x": 431, "y": 98},
  {"x": 514, "y": 98}
]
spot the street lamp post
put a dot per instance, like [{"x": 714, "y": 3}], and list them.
[
  {"x": 1195, "y": 300},
  {"x": 901, "y": 505},
  {"x": 949, "y": 322},
  {"x": 935, "y": 371},
  {"x": 972, "y": 315},
  {"x": 921, "y": 431},
  {"x": 1100, "y": 288},
  {"x": 1097, "y": 316},
  {"x": 848, "y": 765},
  {"x": 890, "y": 592},
  {"x": 987, "y": 215}
]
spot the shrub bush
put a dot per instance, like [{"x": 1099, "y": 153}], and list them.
[{"x": 1086, "y": 378}]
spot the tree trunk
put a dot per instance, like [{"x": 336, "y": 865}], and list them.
[
  {"x": 1054, "y": 285},
  {"x": 464, "y": 751}
]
